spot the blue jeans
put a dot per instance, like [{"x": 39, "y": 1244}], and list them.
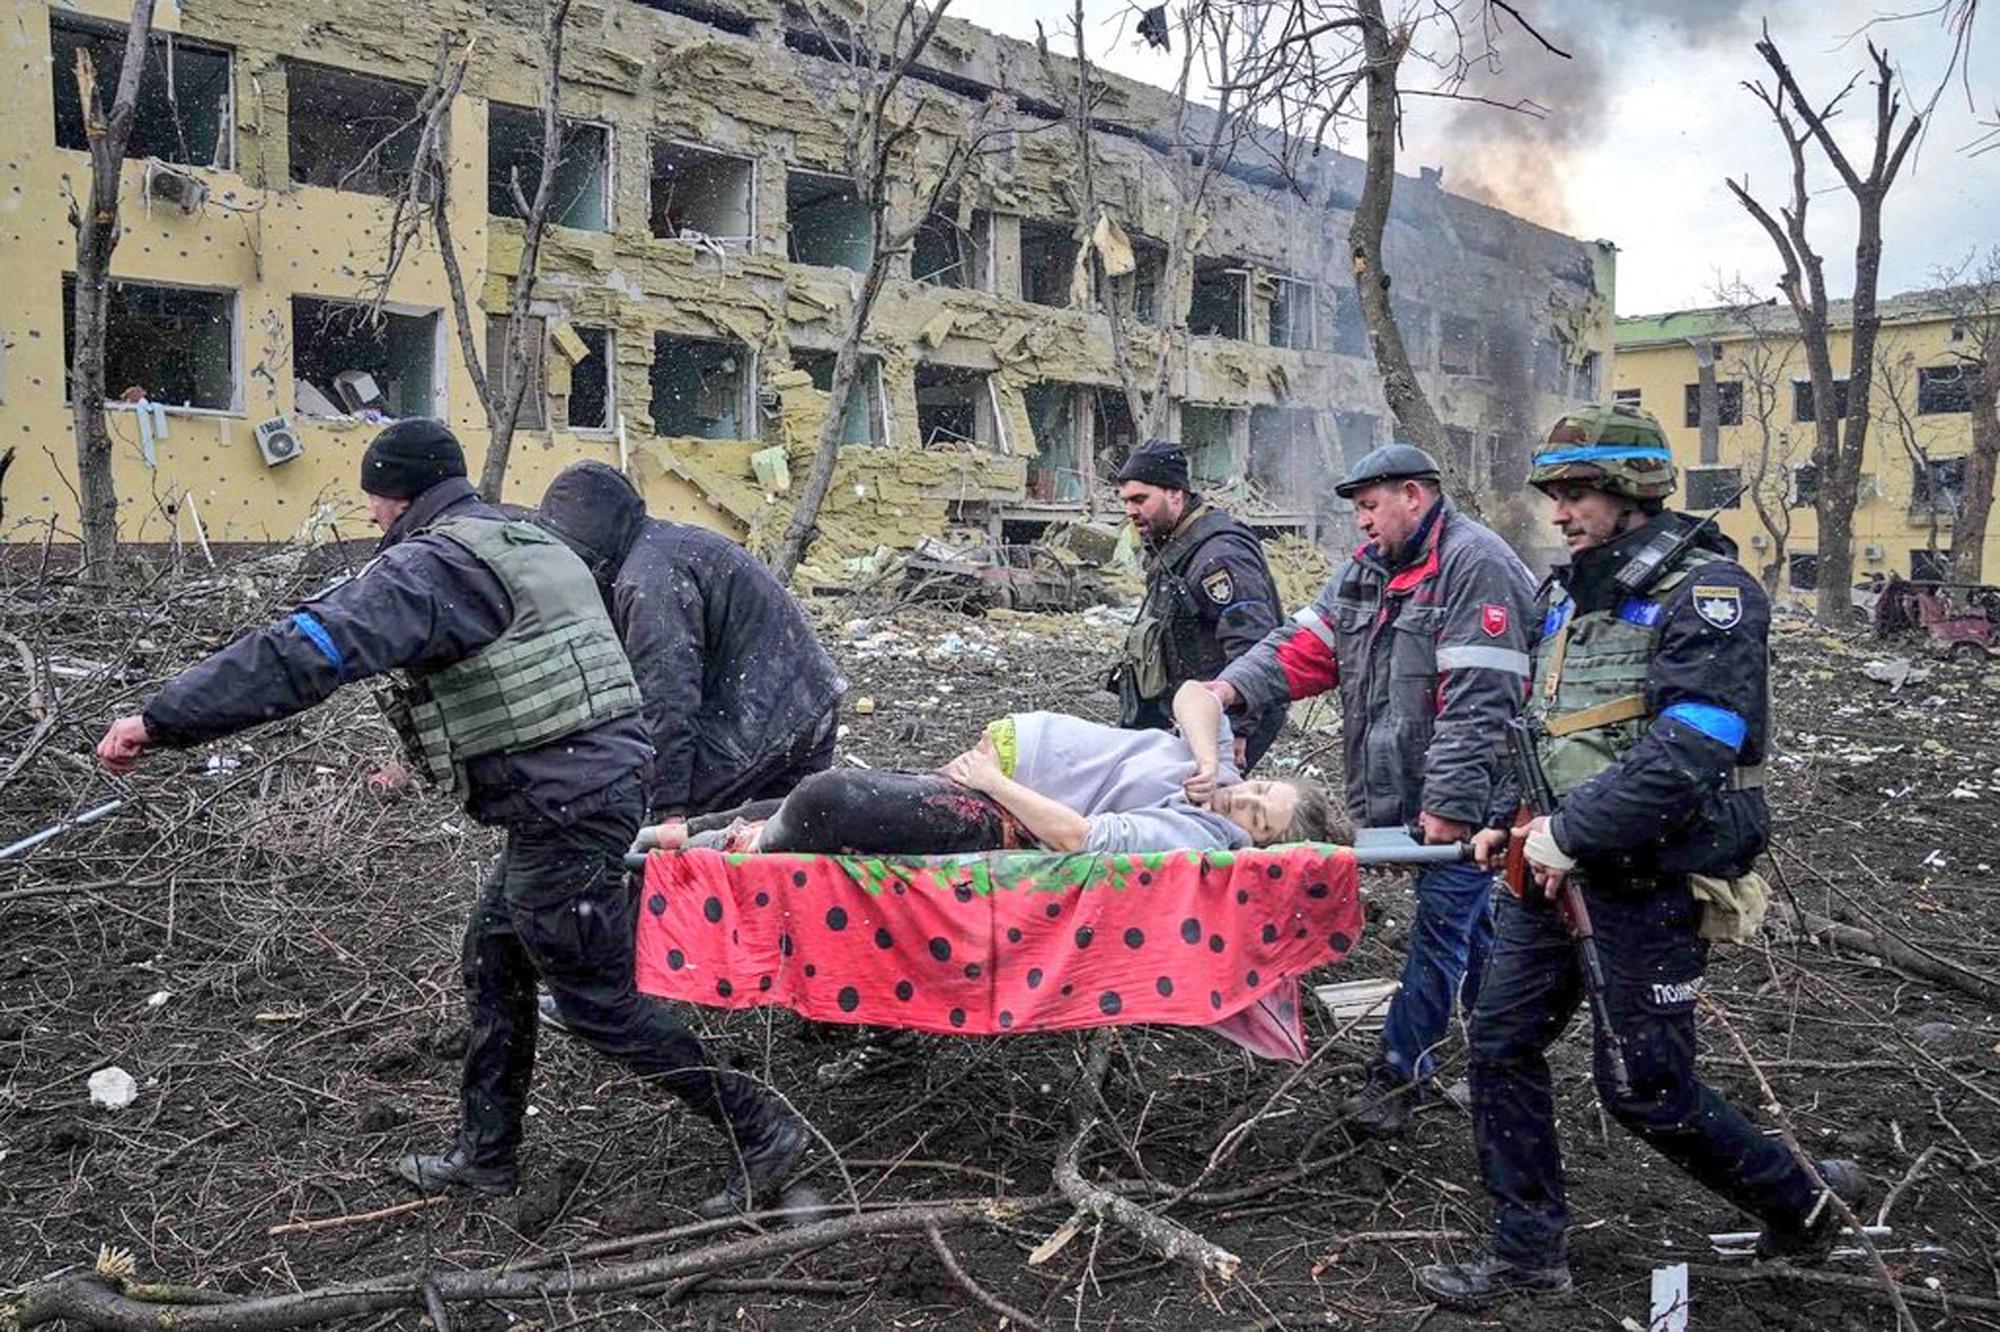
[
  {"x": 1653, "y": 960},
  {"x": 1449, "y": 942}
]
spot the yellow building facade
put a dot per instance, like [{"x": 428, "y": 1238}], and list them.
[{"x": 1913, "y": 472}]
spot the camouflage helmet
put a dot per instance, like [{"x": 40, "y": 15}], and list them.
[{"x": 1617, "y": 449}]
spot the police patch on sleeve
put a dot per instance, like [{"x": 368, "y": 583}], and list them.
[
  {"x": 1220, "y": 587},
  {"x": 1718, "y": 603}
]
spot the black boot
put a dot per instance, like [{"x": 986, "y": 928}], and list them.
[
  {"x": 1809, "y": 1244},
  {"x": 1489, "y": 1279},
  {"x": 434, "y": 1174},
  {"x": 768, "y": 1141},
  {"x": 1383, "y": 1106}
]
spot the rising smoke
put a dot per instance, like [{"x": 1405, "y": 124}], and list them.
[{"x": 1521, "y": 160}]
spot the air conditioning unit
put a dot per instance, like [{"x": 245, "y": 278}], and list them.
[
  {"x": 278, "y": 441},
  {"x": 1873, "y": 553},
  {"x": 1758, "y": 541},
  {"x": 188, "y": 193}
]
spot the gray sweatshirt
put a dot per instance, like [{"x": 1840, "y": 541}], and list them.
[{"x": 1127, "y": 784}]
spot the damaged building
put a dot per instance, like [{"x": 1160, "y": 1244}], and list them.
[{"x": 695, "y": 284}]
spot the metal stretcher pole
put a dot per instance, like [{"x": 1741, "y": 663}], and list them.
[{"x": 1372, "y": 846}]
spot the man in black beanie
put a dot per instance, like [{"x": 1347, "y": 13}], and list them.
[
  {"x": 510, "y": 688},
  {"x": 1209, "y": 595}
]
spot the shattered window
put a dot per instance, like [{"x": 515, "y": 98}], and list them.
[
  {"x": 1113, "y": 434},
  {"x": 1714, "y": 488},
  {"x": 498, "y": 374},
  {"x": 1930, "y": 566},
  {"x": 830, "y": 226},
  {"x": 1728, "y": 403},
  {"x": 701, "y": 389},
  {"x": 1356, "y": 433},
  {"x": 592, "y": 381},
  {"x": 1048, "y": 262},
  {"x": 1802, "y": 399},
  {"x": 1284, "y": 454},
  {"x": 1802, "y": 570},
  {"x": 948, "y": 255},
  {"x": 183, "y": 112},
  {"x": 1461, "y": 346},
  {"x": 862, "y": 422},
  {"x": 1294, "y": 314},
  {"x": 1209, "y": 434},
  {"x": 171, "y": 345},
  {"x": 704, "y": 194},
  {"x": 1805, "y": 484},
  {"x": 1938, "y": 485},
  {"x": 1216, "y": 307},
  {"x": 1054, "y": 474},
  {"x": 1149, "y": 270},
  {"x": 1943, "y": 389},
  {"x": 349, "y": 362},
  {"x": 955, "y": 408},
  {"x": 580, "y": 193},
  {"x": 350, "y": 131}
]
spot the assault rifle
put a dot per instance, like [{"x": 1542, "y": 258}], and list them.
[{"x": 1538, "y": 799}]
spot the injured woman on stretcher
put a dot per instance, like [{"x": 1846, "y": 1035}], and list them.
[{"x": 1043, "y": 780}]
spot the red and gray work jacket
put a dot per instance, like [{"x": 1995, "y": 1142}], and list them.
[{"x": 1431, "y": 659}]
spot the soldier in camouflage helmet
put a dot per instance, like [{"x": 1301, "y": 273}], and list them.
[{"x": 1648, "y": 698}]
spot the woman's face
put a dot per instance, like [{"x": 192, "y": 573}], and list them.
[{"x": 1262, "y": 809}]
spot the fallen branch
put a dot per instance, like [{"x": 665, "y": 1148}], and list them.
[
  {"x": 1890, "y": 949},
  {"x": 1169, "y": 1239},
  {"x": 355, "y": 1218},
  {"x": 94, "y": 1300},
  {"x": 949, "y": 1261}
]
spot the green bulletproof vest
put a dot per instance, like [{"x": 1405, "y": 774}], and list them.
[
  {"x": 1589, "y": 690},
  {"x": 1164, "y": 609},
  {"x": 557, "y": 669}
]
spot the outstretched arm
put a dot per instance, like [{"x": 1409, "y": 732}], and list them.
[
  {"x": 1198, "y": 713},
  {"x": 1054, "y": 824}
]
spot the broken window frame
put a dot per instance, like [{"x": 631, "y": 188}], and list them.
[
  {"x": 1149, "y": 273},
  {"x": 234, "y": 304},
  {"x": 608, "y": 353},
  {"x": 986, "y": 416},
  {"x": 534, "y": 413},
  {"x": 1304, "y": 458},
  {"x": 1802, "y": 570},
  {"x": 747, "y": 241},
  {"x": 842, "y": 183},
  {"x": 1236, "y": 440},
  {"x": 1943, "y": 389},
  {"x": 746, "y": 419},
  {"x": 1928, "y": 565},
  {"x": 1209, "y": 270},
  {"x": 1060, "y": 240},
  {"x": 1456, "y": 332},
  {"x": 107, "y": 37},
  {"x": 1937, "y": 486},
  {"x": 1802, "y": 487},
  {"x": 869, "y": 381},
  {"x": 1068, "y": 481},
  {"x": 1802, "y": 399},
  {"x": 436, "y": 406},
  {"x": 1306, "y": 327},
  {"x": 389, "y": 177},
  {"x": 1708, "y": 486},
  {"x": 1627, "y": 397},
  {"x": 974, "y": 245},
  {"x": 500, "y": 197},
  {"x": 1728, "y": 404}
]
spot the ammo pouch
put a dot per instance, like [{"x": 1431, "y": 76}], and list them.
[
  {"x": 399, "y": 697},
  {"x": 1145, "y": 661},
  {"x": 1731, "y": 909}
]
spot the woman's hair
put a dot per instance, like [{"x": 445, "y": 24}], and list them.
[{"x": 1314, "y": 818}]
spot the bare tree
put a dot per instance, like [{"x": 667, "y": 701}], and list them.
[
  {"x": 97, "y": 231},
  {"x": 1974, "y": 293},
  {"x": 1760, "y": 357},
  {"x": 1837, "y": 451},
  {"x": 881, "y": 146}
]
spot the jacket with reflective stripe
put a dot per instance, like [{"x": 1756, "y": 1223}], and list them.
[{"x": 1430, "y": 659}]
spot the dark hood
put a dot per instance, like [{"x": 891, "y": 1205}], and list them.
[{"x": 597, "y": 513}]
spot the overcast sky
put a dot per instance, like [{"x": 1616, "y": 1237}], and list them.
[{"x": 1648, "y": 117}]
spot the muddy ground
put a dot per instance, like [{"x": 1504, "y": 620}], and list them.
[{"x": 271, "y": 951}]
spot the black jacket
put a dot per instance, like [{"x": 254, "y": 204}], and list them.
[
  {"x": 1667, "y": 806},
  {"x": 731, "y": 674},
  {"x": 423, "y": 601}
]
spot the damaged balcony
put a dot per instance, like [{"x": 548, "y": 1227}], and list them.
[
  {"x": 184, "y": 113},
  {"x": 829, "y": 226},
  {"x": 579, "y": 194},
  {"x": 349, "y": 131},
  {"x": 702, "y": 389},
  {"x": 351, "y": 363},
  {"x": 703, "y": 197}
]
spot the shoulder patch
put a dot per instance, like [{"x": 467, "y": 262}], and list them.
[
  {"x": 1221, "y": 588},
  {"x": 1493, "y": 619},
  {"x": 1721, "y": 604},
  {"x": 1642, "y": 612}
]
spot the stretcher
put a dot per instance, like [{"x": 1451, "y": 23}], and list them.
[{"x": 1011, "y": 942}]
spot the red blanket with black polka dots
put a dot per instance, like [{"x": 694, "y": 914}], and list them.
[{"x": 1006, "y": 942}]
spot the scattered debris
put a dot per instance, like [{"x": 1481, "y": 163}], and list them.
[
  {"x": 1895, "y": 672},
  {"x": 112, "y": 1088}
]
